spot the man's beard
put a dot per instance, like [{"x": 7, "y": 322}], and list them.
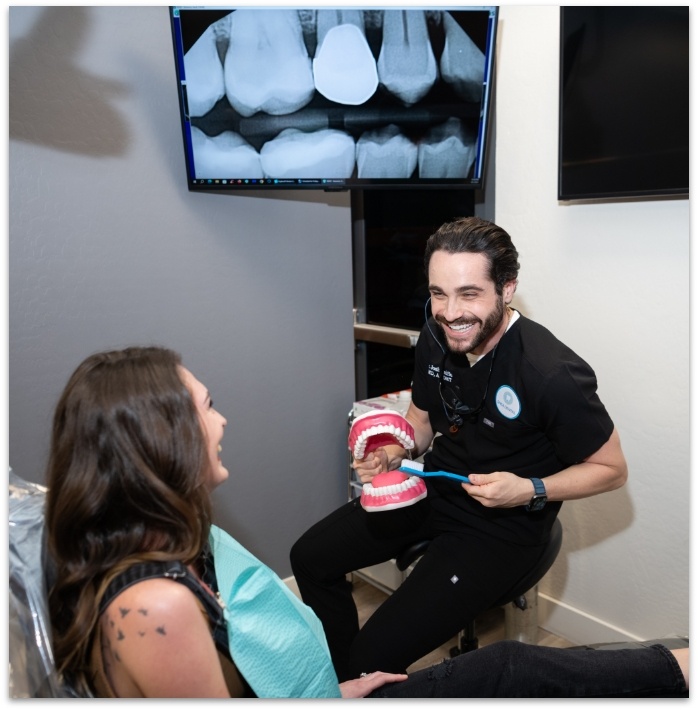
[{"x": 490, "y": 324}]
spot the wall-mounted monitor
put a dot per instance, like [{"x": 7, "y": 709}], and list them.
[
  {"x": 334, "y": 98},
  {"x": 624, "y": 101}
]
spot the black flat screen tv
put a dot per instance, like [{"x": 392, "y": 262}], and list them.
[
  {"x": 334, "y": 98},
  {"x": 624, "y": 102}
]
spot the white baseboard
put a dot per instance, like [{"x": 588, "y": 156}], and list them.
[
  {"x": 558, "y": 618},
  {"x": 577, "y": 626}
]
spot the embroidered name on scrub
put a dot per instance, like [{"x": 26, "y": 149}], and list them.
[{"x": 508, "y": 402}]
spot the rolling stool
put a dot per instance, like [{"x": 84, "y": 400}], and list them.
[{"x": 521, "y": 600}]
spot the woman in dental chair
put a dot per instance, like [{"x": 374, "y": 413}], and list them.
[{"x": 148, "y": 599}]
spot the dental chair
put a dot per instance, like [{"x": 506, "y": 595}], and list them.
[
  {"x": 32, "y": 673},
  {"x": 520, "y": 602}
]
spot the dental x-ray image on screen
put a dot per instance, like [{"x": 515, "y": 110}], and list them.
[{"x": 334, "y": 98}]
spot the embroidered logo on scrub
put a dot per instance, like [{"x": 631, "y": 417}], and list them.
[{"x": 508, "y": 402}]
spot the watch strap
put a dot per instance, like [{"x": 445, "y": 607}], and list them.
[
  {"x": 538, "y": 487},
  {"x": 539, "y": 498}
]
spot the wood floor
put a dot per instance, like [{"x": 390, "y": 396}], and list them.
[{"x": 489, "y": 626}]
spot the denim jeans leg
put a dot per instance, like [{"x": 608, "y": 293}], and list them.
[{"x": 510, "y": 669}]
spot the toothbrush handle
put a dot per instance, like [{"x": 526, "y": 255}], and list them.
[
  {"x": 446, "y": 474},
  {"x": 428, "y": 474}
]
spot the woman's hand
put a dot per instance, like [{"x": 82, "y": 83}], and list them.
[{"x": 361, "y": 687}]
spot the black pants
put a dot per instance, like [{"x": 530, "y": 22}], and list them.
[
  {"x": 462, "y": 574},
  {"x": 510, "y": 669}
]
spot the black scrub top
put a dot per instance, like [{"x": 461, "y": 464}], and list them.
[{"x": 541, "y": 415}]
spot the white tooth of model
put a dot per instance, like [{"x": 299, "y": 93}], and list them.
[
  {"x": 462, "y": 63},
  {"x": 203, "y": 70},
  {"x": 406, "y": 64},
  {"x": 344, "y": 68},
  {"x": 446, "y": 153},
  {"x": 385, "y": 153},
  {"x": 267, "y": 67},
  {"x": 295, "y": 154},
  {"x": 225, "y": 155}
]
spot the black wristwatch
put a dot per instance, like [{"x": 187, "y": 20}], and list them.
[{"x": 540, "y": 497}]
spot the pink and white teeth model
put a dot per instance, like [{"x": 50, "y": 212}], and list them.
[
  {"x": 389, "y": 489},
  {"x": 372, "y": 430}
]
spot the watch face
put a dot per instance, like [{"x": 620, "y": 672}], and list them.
[{"x": 537, "y": 503}]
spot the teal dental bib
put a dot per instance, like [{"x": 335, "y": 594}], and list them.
[{"x": 276, "y": 641}]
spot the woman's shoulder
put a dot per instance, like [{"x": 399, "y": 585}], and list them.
[
  {"x": 155, "y": 635},
  {"x": 142, "y": 599},
  {"x": 152, "y": 612}
]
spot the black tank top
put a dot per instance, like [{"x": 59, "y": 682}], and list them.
[{"x": 179, "y": 573}]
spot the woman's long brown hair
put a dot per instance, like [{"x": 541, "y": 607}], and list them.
[{"x": 125, "y": 480}]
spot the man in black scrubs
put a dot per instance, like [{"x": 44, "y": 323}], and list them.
[{"x": 497, "y": 398}]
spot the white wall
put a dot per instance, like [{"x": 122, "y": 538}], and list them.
[{"x": 612, "y": 281}]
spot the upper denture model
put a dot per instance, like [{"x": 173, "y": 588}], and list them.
[
  {"x": 390, "y": 489},
  {"x": 372, "y": 430}
]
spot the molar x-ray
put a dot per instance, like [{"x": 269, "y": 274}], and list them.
[{"x": 325, "y": 93}]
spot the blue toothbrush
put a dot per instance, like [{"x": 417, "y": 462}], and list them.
[{"x": 417, "y": 469}]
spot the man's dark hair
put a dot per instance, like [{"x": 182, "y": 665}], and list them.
[{"x": 477, "y": 236}]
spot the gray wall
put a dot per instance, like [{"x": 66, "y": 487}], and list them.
[{"x": 108, "y": 248}]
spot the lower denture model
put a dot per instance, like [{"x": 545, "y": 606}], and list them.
[{"x": 390, "y": 489}]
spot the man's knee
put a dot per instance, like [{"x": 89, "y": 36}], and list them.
[
  {"x": 312, "y": 558},
  {"x": 299, "y": 555}
]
